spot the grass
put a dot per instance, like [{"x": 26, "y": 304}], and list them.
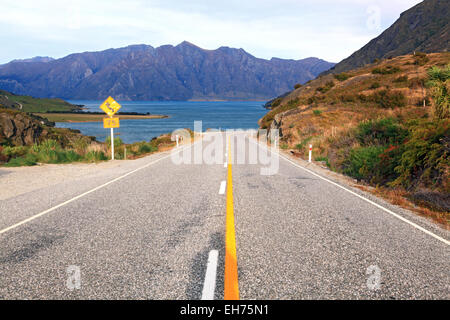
[
  {"x": 79, "y": 150},
  {"x": 374, "y": 128},
  {"x": 317, "y": 112},
  {"x": 30, "y": 104}
]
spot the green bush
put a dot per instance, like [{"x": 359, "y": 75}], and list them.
[
  {"x": 146, "y": 148},
  {"x": 439, "y": 83},
  {"x": 380, "y": 132},
  {"x": 14, "y": 152},
  {"x": 362, "y": 162},
  {"x": 95, "y": 156},
  {"x": 303, "y": 143},
  {"x": 388, "y": 99},
  {"x": 327, "y": 87},
  {"x": 401, "y": 79},
  {"x": 426, "y": 156},
  {"x": 317, "y": 112},
  {"x": 342, "y": 76},
  {"x": 117, "y": 141},
  {"x": 375, "y": 85},
  {"x": 297, "y": 86},
  {"x": 27, "y": 160},
  {"x": 386, "y": 70}
]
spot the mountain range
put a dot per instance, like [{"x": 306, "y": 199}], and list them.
[
  {"x": 425, "y": 28},
  {"x": 141, "y": 72}
]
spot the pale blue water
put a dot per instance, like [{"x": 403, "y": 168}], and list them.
[{"x": 182, "y": 114}]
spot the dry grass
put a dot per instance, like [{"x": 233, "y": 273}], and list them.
[
  {"x": 399, "y": 197},
  {"x": 343, "y": 107}
]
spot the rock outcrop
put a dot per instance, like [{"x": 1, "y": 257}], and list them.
[{"x": 20, "y": 129}]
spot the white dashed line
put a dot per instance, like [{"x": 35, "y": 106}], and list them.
[
  {"x": 210, "y": 278},
  {"x": 223, "y": 185}
]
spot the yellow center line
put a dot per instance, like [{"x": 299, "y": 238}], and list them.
[{"x": 231, "y": 285}]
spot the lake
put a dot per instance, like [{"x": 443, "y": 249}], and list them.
[{"x": 182, "y": 114}]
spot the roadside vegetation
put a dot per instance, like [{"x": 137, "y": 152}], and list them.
[
  {"x": 80, "y": 150},
  {"x": 386, "y": 125}
]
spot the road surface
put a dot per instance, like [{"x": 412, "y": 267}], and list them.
[{"x": 152, "y": 229}]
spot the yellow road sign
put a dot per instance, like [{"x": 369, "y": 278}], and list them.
[
  {"x": 110, "y": 123},
  {"x": 110, "y": 106}
]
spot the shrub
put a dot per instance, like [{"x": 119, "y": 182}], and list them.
[
  {"x": 94, "y": 156},
  {"x": 388, "y": 99},
  {"x": 317, "y": 112},
  {"x": 362, "y": 162},
  {"x": 375, "y": 85},
  {"x": 342, "y": 76},
  {"x": 28, "y": 160},
  {"x": 386, "y": 70},
  {"x": 117, "y": 141},
  {"x": 381, "y": 132},
  {"x": 297, "y": 86},
  {"x": 420, "y": 58},
  {"x": 426, "y": 156},
  {"x": 327, "y": 87},
  {"x": 322, "y": 159},
  {"x": 303, "y": 143},
  {"x": 284, "y": 146},
  {"x": 401, "y": 79},
  {"x": 439, "y": 82},
  {"x": 146, "y": 148},
  {"x": 80, "y": 145},
  {"x": 416, "y": 82},
  {"x": 347, "y": 98},
  {"x": 14, "y": 152}
]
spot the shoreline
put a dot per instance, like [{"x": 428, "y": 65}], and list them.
[{"x": 78, "y": 117}]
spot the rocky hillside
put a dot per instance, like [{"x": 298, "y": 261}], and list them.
[
  {"x": 19, "y": 127},
  {"x": 141, "y": 72},
  {"x": 387, "y": 124},
  {"x": 423, "y": 28}
]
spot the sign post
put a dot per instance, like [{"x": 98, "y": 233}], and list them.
[{"x": 110, "y": 107}]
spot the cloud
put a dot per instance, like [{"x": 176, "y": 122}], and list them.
[{"x": 296, "y": 29}]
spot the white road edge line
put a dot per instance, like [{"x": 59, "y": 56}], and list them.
[
  {"x": 223, "y": 185},
  {"x": 209, "y": 285},
  {"x": 88, "y": 192},
  {"x": 363, "y": 198}
]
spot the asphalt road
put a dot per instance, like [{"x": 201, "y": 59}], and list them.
[{"x": 145, "y": 231}]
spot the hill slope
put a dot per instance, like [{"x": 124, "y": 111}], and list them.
[
  {"x": 425, "y": 27},
  {"x": 141, "y": 72},
  {"x": 371, "y": 124}
]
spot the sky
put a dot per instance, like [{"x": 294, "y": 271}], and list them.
[{"x": 289, "y": 29}]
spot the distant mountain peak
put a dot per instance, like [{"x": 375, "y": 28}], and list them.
[
  {"x": 424, "y": 27},
  {"x": 141, "y": 72},
  {"x": 35, "y": 59}
]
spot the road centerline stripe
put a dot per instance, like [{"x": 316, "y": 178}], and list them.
[
  {"x": 209, "y": 285},
  {"x": 231, "y": 285}
]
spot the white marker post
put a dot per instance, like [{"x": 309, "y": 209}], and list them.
[
  {"x": 177, "y": 140},
  {"x": 112, "y": 144},
  {"x": 310, "y": 152}
]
